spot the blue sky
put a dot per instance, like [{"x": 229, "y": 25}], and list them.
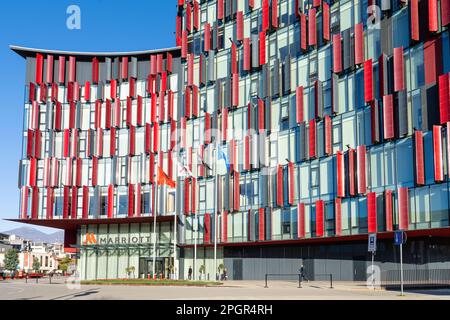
[{"x": 106, "y": 25}]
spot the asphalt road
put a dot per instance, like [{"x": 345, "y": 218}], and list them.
[{"x": 232, "y": 290}]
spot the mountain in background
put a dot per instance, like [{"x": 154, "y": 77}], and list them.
[{"x": 36, "y": 235}]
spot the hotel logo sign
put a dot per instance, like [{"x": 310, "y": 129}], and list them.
[{"x": 89, "y": 238}]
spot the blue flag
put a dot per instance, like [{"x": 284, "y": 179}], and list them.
[{"x": 223, "y": 164}]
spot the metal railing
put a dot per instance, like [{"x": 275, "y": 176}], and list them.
[
  {"x": 416, "y": 278},
  {"x": 299, "y": 275}
]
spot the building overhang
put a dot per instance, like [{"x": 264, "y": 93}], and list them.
[
  {"x": 438, "y": 232},
  {"x": 31, "y": 52},
  {"x": 74, "y": 224}
]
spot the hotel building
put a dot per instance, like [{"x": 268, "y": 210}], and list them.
[{"x": 333, "y": 115}]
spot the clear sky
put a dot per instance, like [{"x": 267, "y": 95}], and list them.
[{"x": 106, "y": 25}]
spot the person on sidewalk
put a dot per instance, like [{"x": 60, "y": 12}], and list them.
[
  {"x": 190, "y": 273},
  {"x": 302, "y": 273}
]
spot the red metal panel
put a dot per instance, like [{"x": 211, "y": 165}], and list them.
[
  {"x": 74, "y": 205},
  {"x": 35, "y": 112},
  {"x": 151, "y": 171},
  {"x": 275, "y": 14},
  {"x": 33, "y": 172},
  {"x": 58, "y": 113},
  {"x": 85, "y": 210},
  {"x": 66, "y": 143},
  {"x": 113, "y": 89},
  {"x": 247, "y": 147},
  {"x": 303, "y": 38},
  {"x": 187, "y": 102},
  {"x": 340, "y": 174},
  {"x": 130, "y": 200},
  {"x": 79, "y": 173},
  {"x": 50, "y": 203},
  {"x": 445, "y": 12},
  {"x": 359, "y": 43},
  {"x": 444, "y": 98},
  {"x": 42, "y": 92},
  {"x": 328, "y": 136},
  {"x": 132, "y": 87},
  {"x": 39, "y": 67},
  {"x": 338, "y": 216},
  {"x": 368, "y": 81},
  {"x": 87, "y": 91},
  {"x": 312, "y": 40},
  {"x": 234, "y": 57},
  {"x": 169, "y": 62},
  {"x": 207, "y": 37},
  {"x": 155, "y": 137},
  {"x": 299, "y": 104},
  {"x": 403, "y": 209},
  {"x": 351, "y": 171},
  {"x": 49, "y": 69},
  {"x": 239, "y": 26},
  {"x": 399, "y": 82},
  {"x": 433, "y": 15},
  {"x": 326, "y": 21},
  {"x": 448, "y": 144},
  {"x": 437, "y": 150},
  {"x": 74, "y": 144},
  {"x": 37, "y": 143},
  {"x": 188, "y": 18},
  {"x": 301, "y": 220},
  {"x": 94, "y": 171},
  {"x": 30, "y": 143},
  {"x": 265, "y": 15},
  {"x": 110, "y": 201},
  {"x": 261, "y": 116},
  {"x": 262, "y": 48},
  {"x": 124, "y": 69},
  {"x": 196, "y": 15},
  {"x": 224, "y": 124},
  {"x": 236, "y": 192},
  {"x": 66, "y": 202},
  {"x": 132, "y": 142},
  {"x": 432, "y": 56},
  {"x": 291, "y": 179},
  {"x": 251, "y": 4},
  {"x": 319, "y": 218},
  {"x": 117, "y": 113},
  {"x": 261, "y": 225},
  {"x": 207, "y": 139},
  {"x": 195, "y": 98},
  {"x": 419, "y": 157},
  {"x": 337, "y": 53},
  {"x": 153, "y": 65},
  {"x": 95, "y": 70},
  {"x": 414, "y": 5},
  {"x": 162, "y": 107},
  {"x": 184, "y": 44},
  {"x": 108, "y": 109},
  {"x": 170, "y": 101},
  {"x": 388, "y": 116},
  {"x": 187, "y": 184},
  {"x": 361, "y": 163},
  {"x": 148, "y": 132},
  {"x": 190, "y": 69},
  {"x": 246, "y": 45},
  {"x": 372, "y": 212},
  {"x": 178, "y": 27},
  {"x": 139, "y": 111},
  {"x": 72, "y": 69},
  {"x": 97, "y": 113},
  {"x": 312, "y": 138},
  {"x": 54, "y": 96},
  {"x": 34, "y": 203},
  {"x": 235, "y": 90},
  {"x": 224, "y": 226},
  {"x": 61, "y": 69},
  {"x": 220, "y": 9},
  {"x": 280, "y": 200},
  {"x": 32, "y": 93}
]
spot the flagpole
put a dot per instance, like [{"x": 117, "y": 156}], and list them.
[
  {"x": 155, "y": 210},
  {"x": 215, "y": 213},
  {"x": 195, "y": 240},
  {"x": 175, "y": 235}
]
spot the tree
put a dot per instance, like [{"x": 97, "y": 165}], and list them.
[
  {"x": 36, "y": 265},
  {"x": 64, "y": 263},
  {"x": 11, "y": 260}
]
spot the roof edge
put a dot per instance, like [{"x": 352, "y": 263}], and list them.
[{"x": 27, "y": 52}]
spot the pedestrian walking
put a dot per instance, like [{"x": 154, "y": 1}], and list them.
[
  {"x": 302, "y": 273},
  {"x": 190, "y": 273}
]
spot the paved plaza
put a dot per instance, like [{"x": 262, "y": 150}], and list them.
[{"x": 231, "y": 290}]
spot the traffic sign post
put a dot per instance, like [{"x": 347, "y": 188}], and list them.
[
  {"x": 399, "y": 240},
  {"x": 372, "y": 247}
]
